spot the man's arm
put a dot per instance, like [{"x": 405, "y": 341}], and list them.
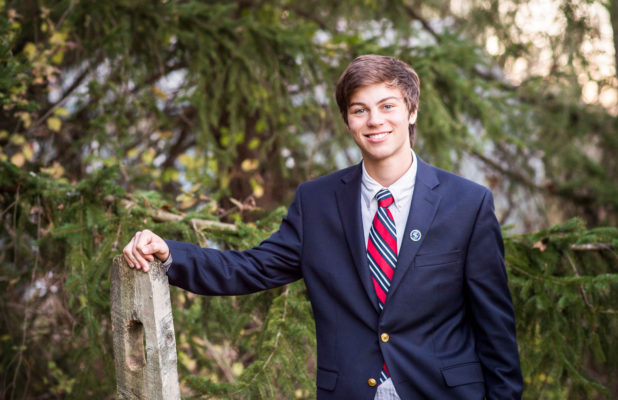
[
  {"x": 491, "y": 306},
  {"x": 275, "y": 262}
]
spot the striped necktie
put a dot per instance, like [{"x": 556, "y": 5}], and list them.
[{"x": 382, "y": 252}]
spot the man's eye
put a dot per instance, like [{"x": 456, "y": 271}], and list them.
[
  {"x": 358, "y": 111},
  {"x": 388, "y": 106}
]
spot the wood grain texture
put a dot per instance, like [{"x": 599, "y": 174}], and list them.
[{"x": 143, "y": 330}]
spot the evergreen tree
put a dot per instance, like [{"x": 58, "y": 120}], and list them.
[{"x": 119, "y": 115}]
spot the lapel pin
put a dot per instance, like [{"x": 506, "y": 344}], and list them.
[{"x": 415, "y": 235}]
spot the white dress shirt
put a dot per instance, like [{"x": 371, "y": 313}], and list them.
[{"x": 402, "y": 191}]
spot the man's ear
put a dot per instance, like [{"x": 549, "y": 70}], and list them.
[{"x": 412, "y": 118}]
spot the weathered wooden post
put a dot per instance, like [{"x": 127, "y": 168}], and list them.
[{"x": 143, "y": 329}]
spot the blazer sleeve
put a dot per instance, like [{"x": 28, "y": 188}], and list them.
[
  {"x": 491, "y": 306},
  {"x": 275, "y": 262}
]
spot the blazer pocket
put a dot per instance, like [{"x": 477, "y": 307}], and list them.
[
  {"x": 462, "y": 374},
  {"x": 326, "y": 379},
  {"x": 432, "y": 260}
]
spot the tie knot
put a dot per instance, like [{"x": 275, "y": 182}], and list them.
[{"x": 385, "y": 198}]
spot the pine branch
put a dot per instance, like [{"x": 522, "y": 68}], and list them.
[
  {"x": 219, "y": 358},
  {"x": 165, "y": 216},
  {"x": 507, "y": 172},
  {"x": 416, "y": 16},
  {"x": 581, "y": 287},
  {"x": 591, "y": 247},
  {"x": 278, "y": 334},
  {"x": 484, "y": 75}
]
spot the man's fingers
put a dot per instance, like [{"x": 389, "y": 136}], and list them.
[
  {"x": 128, "y": 253},
  {"x": 138, "y": 258},
  {"x": 154, "y": 246},
  {"x": 151, "y": 248},
  {"x": 148, "y": 248},
  {"x": 143, "y": 248}
]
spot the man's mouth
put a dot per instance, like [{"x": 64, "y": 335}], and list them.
[{"x": 377, "y": 135}]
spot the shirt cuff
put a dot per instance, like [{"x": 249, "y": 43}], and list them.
[{"x": 168, "y": 263}]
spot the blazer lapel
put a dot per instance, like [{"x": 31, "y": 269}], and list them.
[
  {"x": 422, "y": 211},
  {"x": 349, "y": 205}
]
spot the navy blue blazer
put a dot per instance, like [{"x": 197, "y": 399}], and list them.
[{"x": 448, "y": 315}]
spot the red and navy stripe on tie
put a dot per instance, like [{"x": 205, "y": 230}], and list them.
[{"x": 382, "y": 253}]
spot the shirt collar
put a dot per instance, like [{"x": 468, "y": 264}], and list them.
[{"x": 400, "y": 189}]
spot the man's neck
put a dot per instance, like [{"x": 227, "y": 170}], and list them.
[{"x": 386, "y": 172}]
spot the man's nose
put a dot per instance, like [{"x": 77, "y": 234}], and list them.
[{"x": 375, "y": 119}]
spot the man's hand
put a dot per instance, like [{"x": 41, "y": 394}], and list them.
[{"x": 143, "y": 248}]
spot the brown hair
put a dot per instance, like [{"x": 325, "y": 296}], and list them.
[{"x": 373, "y": 69}]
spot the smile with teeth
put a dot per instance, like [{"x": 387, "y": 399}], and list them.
[{"x": 378, "y": 135}]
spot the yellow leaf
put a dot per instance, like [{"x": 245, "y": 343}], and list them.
[
  {"x": 253, "y": 144},
  {"x": 186, "y": 160},
  {"x": 148, "y": 155},
  {"x": 18, "y": 159},
  {"x": 27, "y": 151},
  {"x": 110, "y": 161},
  {"x": 185, "y": 200},
  {"x": 249, "y": 164},
  {"x": 225, "y": 140},
  {"x": 212, "y": 165},
  {"x": 224, "y": 181},
  {"x": 17, "y": 139},
  {"x": 170, "y": 174},
  {"x": 4, "y": 134},
  {"x": 158, "y": 92},
  {"x": 30, "y": 50},
  {"x": 240, "y": 138},
  {"x": 258, "y": 190},
  {"x": 55, "y": 171},
  {"x": 57, "y": 57},
  {"x": 58, "y": 38},
  {"x": 61, "y": 112},
  {"x": 237, "y": 368},
  {"x": 26, "y": 119},
  {"x": 54, "y": 123},
  {"x": 133, "y": 152}
]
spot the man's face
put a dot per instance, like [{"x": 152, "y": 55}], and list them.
[{"x": 378, "y": 121}]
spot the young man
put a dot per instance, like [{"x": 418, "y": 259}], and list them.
[{"x": 403, "y": 262}]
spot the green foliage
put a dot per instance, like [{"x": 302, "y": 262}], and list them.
[
  {"x": 64, "y": 236},
  {"x": 236, "y": 96},
  {"x": 13, "y": 82},
  {"x": 564, "y": 283},
  {"x": 110, "y": 110}
]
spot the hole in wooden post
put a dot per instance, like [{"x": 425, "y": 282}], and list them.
[{"x": 134, "y": 346}]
